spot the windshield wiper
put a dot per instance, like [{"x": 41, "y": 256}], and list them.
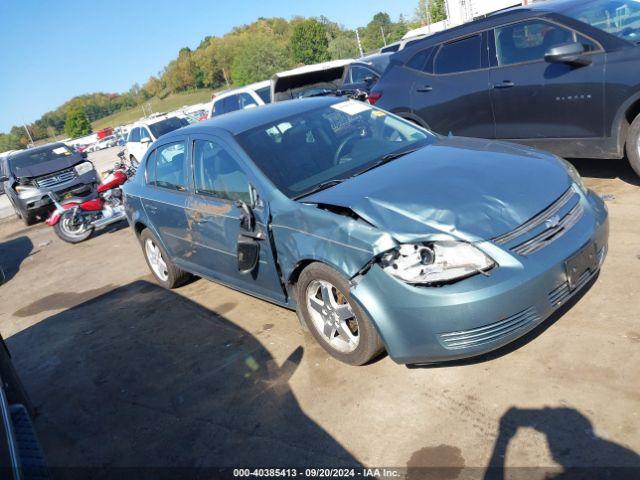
[
  {"x": 319, "y": 187},
  {"x": 389, "y": 157}
]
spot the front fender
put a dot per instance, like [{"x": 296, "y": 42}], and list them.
[{"x": 307, "y": 233}]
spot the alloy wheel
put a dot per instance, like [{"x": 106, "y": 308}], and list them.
[
  {"x": 157, "y": 263},
  {"x": 332, "y": 316}
]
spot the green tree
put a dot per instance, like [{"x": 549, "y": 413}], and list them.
[
  {"x": 259, "y": 60},
  {"x": 372, "y": 35},
  {"x": 437, "y": 10},
  {"x": 422, "y": 12},
  {"x": 309, "y": 42},
  {"x": 76, "y": 124}
]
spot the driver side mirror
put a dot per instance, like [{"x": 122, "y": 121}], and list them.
[
  {"x": 145, "y": 140},
  {"x": 571, "y": 53},
  {"x": 4, "y": 178},
  {"x": 84, "y": 155}
]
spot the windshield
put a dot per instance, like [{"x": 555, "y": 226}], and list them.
[
  {"x": 169, "y": 125},
  {"x": 328, "y": 143},
  {"x": 618, "y": 17},
  {"x": 29, "y": 158}
]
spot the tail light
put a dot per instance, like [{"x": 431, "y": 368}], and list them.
[{"x": 374, "y": 97}]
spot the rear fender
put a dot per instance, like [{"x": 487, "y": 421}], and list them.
[{"x": 57, "y": 213}]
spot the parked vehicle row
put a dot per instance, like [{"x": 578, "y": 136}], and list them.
[
  {"x": 557, "y": 75},
  {"x": 381, "y": 234}
]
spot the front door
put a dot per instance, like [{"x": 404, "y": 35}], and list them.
[
  {"x": 536, "y": 99},
  {"x": 167, "y": 198},
  {"x": 451, "y": 94},
  {"x": 220, "y": 182}
]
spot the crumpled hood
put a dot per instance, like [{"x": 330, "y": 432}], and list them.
[
  {"x": 470, "y": 188},
  {"x": 52, "y": 166}
]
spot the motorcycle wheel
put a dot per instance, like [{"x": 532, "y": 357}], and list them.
[{"x": 70, "y": 232}]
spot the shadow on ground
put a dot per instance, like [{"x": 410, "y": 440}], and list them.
[
  {"x": 12, "y": 254},
  {"x": 143, "y": 377},
  {"x": 574, "y": 444},
  {"x": 606, "y": 169}
]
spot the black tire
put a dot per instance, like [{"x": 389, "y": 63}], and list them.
[
  {"x": 632, "y": 146},
  {"x": 369, "y": 342},
  {"x": 175, "y": 277},
  {"x": 66, "y": 233},
  {"x": 28, "y": 218}
]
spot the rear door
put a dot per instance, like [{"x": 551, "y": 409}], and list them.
[
  {"x": 133, "y": 143},
  {"x": 220, "y": 181},
  {"x": 167, "y": 196},
  {"x": 536, "y": 99},
  {"x": 452, "y": 93}
]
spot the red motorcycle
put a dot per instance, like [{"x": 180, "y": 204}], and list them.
[{"x": 75, "y": 219}]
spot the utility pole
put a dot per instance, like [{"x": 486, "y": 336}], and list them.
[
  {"x": 383, "y": 37},
  {"x": 28, "y": 134},
  {"x": 359, "y": 44}
]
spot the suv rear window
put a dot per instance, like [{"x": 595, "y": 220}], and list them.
[
  {"x": 459, "y": 56},
  {"x": 165, "y": 126}
]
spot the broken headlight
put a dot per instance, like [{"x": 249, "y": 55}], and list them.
[{"x": 435, "y": 262}]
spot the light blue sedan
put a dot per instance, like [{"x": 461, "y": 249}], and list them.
[{"x": 380, "y": 234}]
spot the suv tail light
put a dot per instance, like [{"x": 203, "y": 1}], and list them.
[{"x": 374, "y": 97}]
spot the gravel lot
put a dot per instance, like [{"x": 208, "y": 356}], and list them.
[{"x": 125, "y": 374}]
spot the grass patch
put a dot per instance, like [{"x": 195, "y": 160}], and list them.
[{"x": 167, "y": 104}]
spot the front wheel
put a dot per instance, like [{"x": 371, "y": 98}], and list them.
[
  {"x": 633, "y": 145},
  {"x": 71, "y": 230},
  {"x": 337, "y": 322},
  {"x": 163, "y": 269}
]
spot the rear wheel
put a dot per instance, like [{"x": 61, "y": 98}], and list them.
[
  {"x": 338, "y": 323},
  {"x": 72, "y": 230},
  {"x": 165, "y": 272},
  {"x": 633, "y": 145}
]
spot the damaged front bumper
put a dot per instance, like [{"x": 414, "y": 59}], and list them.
[{"x": 481, "y": 313}]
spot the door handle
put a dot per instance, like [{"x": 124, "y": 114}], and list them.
[
  {"x": 426, "y": 88},
  {"x": 152, "y": 208},
  {"x": 504, "y": 84}
]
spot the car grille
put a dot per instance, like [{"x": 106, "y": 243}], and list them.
[
  {"x": 551, "y": 234},
  {"x": 58, "y": 178},
  {"x": 489, "y": 333},
  {"x": 556, "y": 226}
]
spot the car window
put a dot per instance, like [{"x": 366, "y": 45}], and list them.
[
  {"x": 528, "y": 41},
  {"x": 459, "y": 56},
  {"x": 358, "y": 74},
  {"x": 617, "y": 17},
  {"x": 145, "y": 133},
  {"x": 265, "y": 94},
  {"x": 134, "y": 135},
  {"x": 168, "y": 162},
  {"x": 217, "y": 174},
  {"x": 420, "y": 61},
  {"x": 246, "y": 101},
  {"x": 167, "y": 125},
  {"x": 391, "y": 48},
  {"x": 330, "y": 142},
  {"x": 150, "y": 169}
]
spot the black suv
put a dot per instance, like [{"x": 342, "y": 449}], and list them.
[
  {"x": 29, "y": 175},
  {"x": 562, "y": 76}
]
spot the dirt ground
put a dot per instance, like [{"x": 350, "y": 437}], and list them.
[{"x": 126, "y": 374}]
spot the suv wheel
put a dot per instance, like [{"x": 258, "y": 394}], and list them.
[
  {"x": 632, "y": 146},
  {"x": 337, "y": 323},
  {"x": 165, "y": 272}
]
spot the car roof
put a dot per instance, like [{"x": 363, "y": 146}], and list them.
[
  {"x": 493, "y": 20},
  {"x": 151, "y": 121},
  {"x": 243, "y": 120},
  {"x": 252, "y": 86}
]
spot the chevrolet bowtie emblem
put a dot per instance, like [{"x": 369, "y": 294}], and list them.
[{"x": 552, "y": 222}]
